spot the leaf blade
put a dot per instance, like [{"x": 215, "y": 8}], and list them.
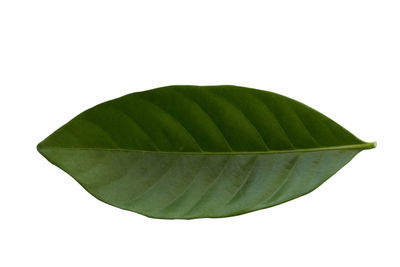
[{"x": 223, "y": 151}]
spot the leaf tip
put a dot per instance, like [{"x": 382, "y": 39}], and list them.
[{"x": 40, "y": 147}]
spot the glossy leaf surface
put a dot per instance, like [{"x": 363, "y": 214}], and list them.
[{"x": 200, "y": 151}]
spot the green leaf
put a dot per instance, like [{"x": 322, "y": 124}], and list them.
[{"x": 200, "y": 151}]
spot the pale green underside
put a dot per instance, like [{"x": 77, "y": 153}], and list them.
[{"x": 164, "y": 185}]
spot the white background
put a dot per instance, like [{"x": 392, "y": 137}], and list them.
[{"x": 58, "y": 58}]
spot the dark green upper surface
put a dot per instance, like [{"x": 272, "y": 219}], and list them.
[{"x": 201, "y": 119}]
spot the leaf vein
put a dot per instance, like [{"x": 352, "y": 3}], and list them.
[
  {"x": 134, "y": 122},
  {"x": 244, "y": 116},
  {"x": 169, "y": 114},
  {"x": 286, "y": 179},
  {"x": 208, "y": 116},
  {"x": 210, "y": 186},
  {"x": 170, "y": 166},
  {"x": 187, "y": 187},
  {"x": 248, "y": 175}
]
